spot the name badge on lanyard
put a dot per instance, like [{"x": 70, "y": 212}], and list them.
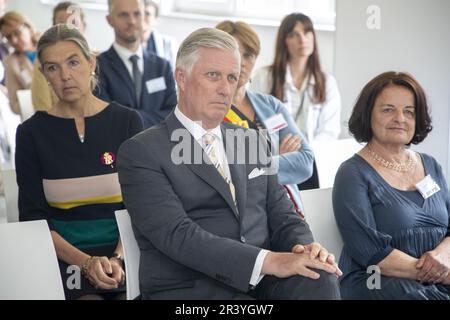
[
  {"x": 26, "y": 76},
  {"x": 427, "y": 187}
]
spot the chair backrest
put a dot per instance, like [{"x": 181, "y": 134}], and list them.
[
  {"x": 25, "y": 103},
  {"x": 11, "y": 193},
  {"x": 329, "y": 155},
  {"x": 29, "y": 268},
  {"x": 131, "y": 253},
  {"x": 319, "y": 214},
  {"x": 9, "y": 123}
]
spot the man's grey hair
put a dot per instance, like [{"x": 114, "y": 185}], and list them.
[
  {"x": 187, "y": 54},
  {"x": 111, "y": 4}
]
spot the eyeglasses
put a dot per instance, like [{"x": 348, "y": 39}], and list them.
[{"x": 15, "y": 33}]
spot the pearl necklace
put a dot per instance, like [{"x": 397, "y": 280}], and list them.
[{"x": 399, "y": 167}]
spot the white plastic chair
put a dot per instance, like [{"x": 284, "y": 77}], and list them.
[
  {"x": 329, "y": 155},
  {"x": 318, "y": 209},
  {"x": 2, "y": 210},
  {"x": 25, "y": 103},
  {"x": 10, "y": 121},
  {"x": 29, "y": 267},
  {"x": 11, "y": 193},
  {"x": 131, "y": 253}
]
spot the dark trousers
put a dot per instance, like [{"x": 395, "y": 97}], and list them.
[
  {"x": 270, "y": 288},
  {"x": 298, "y": 288},
  {"x": 312, "y": 182}
]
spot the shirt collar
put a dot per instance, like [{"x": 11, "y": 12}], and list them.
[
  {"x": 194, "y": 128},
  {"x": 125, "y": 53},
  {"x": 290, "y": 81}
]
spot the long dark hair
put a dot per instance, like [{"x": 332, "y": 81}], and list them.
[{"x": 282, "y": 57}]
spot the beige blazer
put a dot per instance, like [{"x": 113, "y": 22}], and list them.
[
  {"x": 42, "y": 93},
  {"x": 18, "y": 77}
]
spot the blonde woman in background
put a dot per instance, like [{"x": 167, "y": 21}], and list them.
[
  {"x": 4, "y": 50},
  {"x": 22, "y": 37}
]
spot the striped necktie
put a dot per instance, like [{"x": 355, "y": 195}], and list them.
[{"x": 208, "y": 142}]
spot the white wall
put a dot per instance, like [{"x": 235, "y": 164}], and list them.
[
  {"x": 181, "y": 27},
  {"x": 100, "y": 35},
  {"x": 414, "y": 37}
]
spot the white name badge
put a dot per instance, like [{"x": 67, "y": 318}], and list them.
[
  {"x": 275, "y": 123},
  {"x": 427, "y": 187},
  {"x": 26, "y": 76},
  {"x": 155, "y": 85}
]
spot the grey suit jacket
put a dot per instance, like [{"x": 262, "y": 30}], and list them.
[{"x": 194, "y": 242}]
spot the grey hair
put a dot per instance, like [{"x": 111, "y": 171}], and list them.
[
  {"x": 187, "y": 54},
  {"x": 111, "y": 3},
  {"x": 65, "y": 32}
]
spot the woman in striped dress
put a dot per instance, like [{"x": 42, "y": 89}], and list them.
[{"x": 66, "y": 168}]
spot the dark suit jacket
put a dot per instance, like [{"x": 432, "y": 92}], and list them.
[
  {"x": 116, "y": 84},
  {"x": 191, "y": 236}
]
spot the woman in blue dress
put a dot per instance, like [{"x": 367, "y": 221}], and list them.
[{"x": 392, "y": 204}]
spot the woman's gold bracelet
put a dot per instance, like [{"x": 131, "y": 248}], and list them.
[{"x": 85, "y": 266}]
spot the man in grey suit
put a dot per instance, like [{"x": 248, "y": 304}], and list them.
[{"x": 218, "y": 228}]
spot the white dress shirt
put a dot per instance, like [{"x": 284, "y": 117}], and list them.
[
  {"x": 198, "y": 132},
  {"x": 125, "y": 55}
]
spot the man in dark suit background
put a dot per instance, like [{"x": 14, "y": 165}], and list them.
[
  {"x": 218, "y": 228},
  {"x": 131, "y": 76}
]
